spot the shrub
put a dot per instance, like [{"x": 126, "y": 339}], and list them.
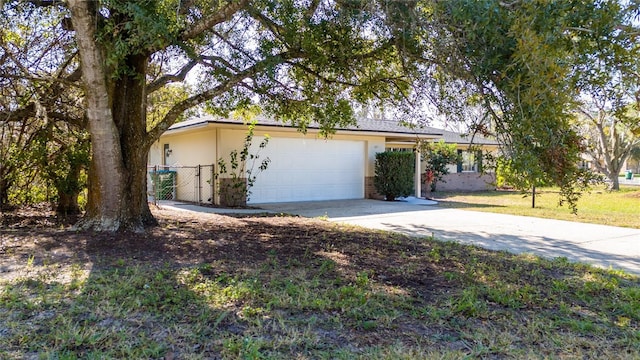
[{"x": 394, "y": 174}]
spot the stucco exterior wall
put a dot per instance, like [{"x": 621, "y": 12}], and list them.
[
  {"x": 187, "y": 149},
  {"x": 192, "y": 148},
  {"x": 155, "y": 154},
  {"x": 205, "y": 145}
]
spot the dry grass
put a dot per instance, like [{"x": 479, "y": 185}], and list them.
[{"x": 598, "y": 206}]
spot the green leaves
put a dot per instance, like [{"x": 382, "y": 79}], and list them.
[
  {"x": 134, "y": 28},
  {"x": 523, "y": 65},
  {"x": 394, "y": 174},
  {"x": 438, "y": 156}
]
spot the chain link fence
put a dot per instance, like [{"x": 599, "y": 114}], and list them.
[{"x": 181, "y": 183}]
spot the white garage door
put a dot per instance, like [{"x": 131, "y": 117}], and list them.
[{"x": 310, "y": 169}]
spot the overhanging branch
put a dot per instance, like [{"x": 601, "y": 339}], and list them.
[
  {"x": 166, "y": 79},
  {"x": 177, "y": 110},
  {"x": 223, "y": 14}
]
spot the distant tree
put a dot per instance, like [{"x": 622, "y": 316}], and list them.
[
  {"x": 15, "y": 153},
  {"x": 41, "y": 141},
  {"x": 635, "y": 157},
  {"x": 607, "y": 74},
  {"x": 63, "y": 159},
  {"x": 610, "y": 141}
]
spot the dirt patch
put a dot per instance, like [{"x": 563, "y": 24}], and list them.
[
  {"x": 37, "y": 236},
  {"x": 633, "y": 194}
]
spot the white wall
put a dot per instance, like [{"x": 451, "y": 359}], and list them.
[
  {"x": 193, "y": 148},
  {"x": 203, "y": 146},
  {"x": 188, "y": 149}
]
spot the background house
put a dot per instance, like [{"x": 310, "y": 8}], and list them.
[
  {"x": 303, "y": 167},
  {"x": 467, "y": 174}
]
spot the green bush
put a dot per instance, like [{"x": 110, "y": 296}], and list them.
[{"x": 394, "y": 174}]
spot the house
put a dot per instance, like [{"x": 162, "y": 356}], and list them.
[
  {"x": 467, "y": 175},
  {"x": 303, "y": 167}
]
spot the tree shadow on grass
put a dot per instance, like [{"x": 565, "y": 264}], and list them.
[
  {"x": 222, "y": 287},
  {"x": 212, "y": 288}
]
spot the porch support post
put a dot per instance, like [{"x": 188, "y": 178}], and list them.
[{"x": 417, "y": 179}]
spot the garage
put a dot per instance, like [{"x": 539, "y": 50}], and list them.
[{"x": 304, "y": 169}]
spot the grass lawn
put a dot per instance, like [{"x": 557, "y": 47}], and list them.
[
  {"x": 599, "y": 206},
  {"x": 205, "y": 286}
]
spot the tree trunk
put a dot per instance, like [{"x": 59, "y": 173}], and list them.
[
  {"x": 4, "y": 191},
  {"x": 117, "y": 125},
  {"x": 615, "y": 182},
  {"x": 615, "y": 166},
  {"x": 129, "y": 113},
  {"x": 533, "y": 197},
  {"x": 68, "y": 203}
]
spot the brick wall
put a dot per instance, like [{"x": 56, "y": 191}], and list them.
[
  {"x": 232, "y": 194},
  {"x": 370, "y": 190},
  {"x": 467, "y": 181}
]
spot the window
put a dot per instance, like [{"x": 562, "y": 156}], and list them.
[
  {"x": 585, "y": 164},
  {"x": 399, "y": 149},
  {"x": 469, "y": 161}
]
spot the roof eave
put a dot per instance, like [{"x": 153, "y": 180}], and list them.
[{"x": 284, "y": 127}]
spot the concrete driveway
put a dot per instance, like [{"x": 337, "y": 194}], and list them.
[{"x": 600, "y": 245}]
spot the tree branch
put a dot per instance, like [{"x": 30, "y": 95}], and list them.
[
  {"x": 45, "y": 3},
  {"x": 312, "y": 9},
  {"x": 166, "y": 79},
  {"x": 320, "y": 76},
  {"x": 233, "y": 46},
  {"x": 220, "y": 59},
  {"x": 20, "y": 114},
  {"x": 271, "y": 25},
  {"x": 220, "y": 16},
  {"x": 177, "y": 110}
]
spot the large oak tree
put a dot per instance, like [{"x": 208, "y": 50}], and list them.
[{"x": 301, "y": 60}]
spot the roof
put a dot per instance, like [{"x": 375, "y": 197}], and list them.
[
  {"x": 451, "y": 137},
  {"x": 391, "y": 127}
]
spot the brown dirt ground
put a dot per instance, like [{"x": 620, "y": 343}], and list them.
[{"x": 38, "y": 236}]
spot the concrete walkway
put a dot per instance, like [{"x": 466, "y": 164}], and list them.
[
  {"x": 635, "y": 181},
  {"x": 600, "y": 245}
]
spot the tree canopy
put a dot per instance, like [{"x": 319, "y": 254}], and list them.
[
  {"x": 519, "y": 64},
  {"x": 526, "y": 66}
]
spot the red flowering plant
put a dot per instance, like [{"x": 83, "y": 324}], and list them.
[{"x": 428, "y": 177}]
